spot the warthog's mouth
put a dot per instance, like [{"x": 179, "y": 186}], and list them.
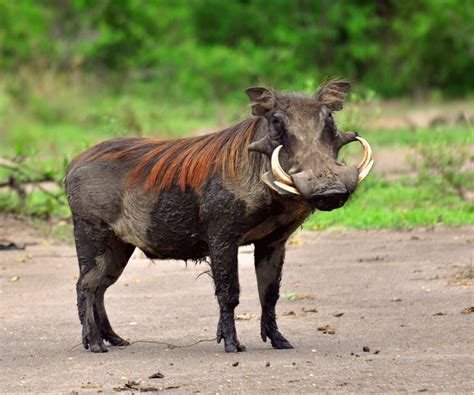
[{"x": 282, "y": 181}]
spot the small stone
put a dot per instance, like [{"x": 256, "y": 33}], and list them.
[
  {"x": 396, "y": 299},
  {"x": 235, "y": 364},
  {"x": 376, "y": 352},
  {"x": 267, "y": 364},
  {"x": 156, "y": 376},
  {"x": 366, "y": 349}
]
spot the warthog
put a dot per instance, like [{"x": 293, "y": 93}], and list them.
[{"x": 205, "y": 196}]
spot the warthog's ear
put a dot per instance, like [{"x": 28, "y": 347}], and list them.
[
  {"x": 332, "y": 94},
  {"x": 261, "y": 99}
]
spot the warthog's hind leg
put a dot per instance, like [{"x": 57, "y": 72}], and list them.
[
  {"x": 118, "y": 255},
  {"x": 226, "y": 280},
  {"x": 102, "y": 258}
]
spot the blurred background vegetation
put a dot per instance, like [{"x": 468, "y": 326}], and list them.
[{"x": 74, "y": 72}]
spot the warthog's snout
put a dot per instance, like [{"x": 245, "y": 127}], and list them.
[
  {"x": 324, "y": 197},
  {"x": 330, "y": 199},
  {"x": 330, "y": 186}
]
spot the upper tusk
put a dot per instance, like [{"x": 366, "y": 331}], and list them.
[
  {"x": 367, "y": 152},
  {"x": 366, "y": 164},
  {"x": 366, "y": 171},
  {"x": 277, "y": 170}
]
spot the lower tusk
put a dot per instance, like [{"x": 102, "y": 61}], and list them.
[
  {"x": 278, "y": 186},
  {"x": 287, "y": 188},
  {"x": 277, "y": 170}
]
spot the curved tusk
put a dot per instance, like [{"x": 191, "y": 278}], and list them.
[
  {"x": 366, "y": 171},
  {"x": 366, "y": 164},
  {"x": 367, "y": 152},
  {"x": 287, "y": 188},
  {"x": 277, "y": 170}
]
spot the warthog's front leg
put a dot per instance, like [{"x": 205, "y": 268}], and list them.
[
  {"x": 268, "y": 266},
  {"x": 226, "y": 280}
]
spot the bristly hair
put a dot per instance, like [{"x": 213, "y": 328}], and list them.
[{"x": 186, "y": 162}]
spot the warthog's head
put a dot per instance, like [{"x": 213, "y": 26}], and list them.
[{"x": 303, "y": 141}]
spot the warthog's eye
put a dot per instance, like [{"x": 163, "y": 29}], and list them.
[
  {"x": 329, "y": 125},
  {"x": 278, "y": 124}
]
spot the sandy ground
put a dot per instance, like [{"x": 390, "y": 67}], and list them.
[{"x": 399, "y": 293}]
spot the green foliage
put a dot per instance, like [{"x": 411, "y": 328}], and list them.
[
  {"x": 436, "y": 161},
  {"x": 398, "y": 204},
  {"x": 438, "y": 194},
  {"x": 209, "y": 48}
]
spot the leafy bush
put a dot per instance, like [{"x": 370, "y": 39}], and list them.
[
  {"x": 207, "y": 48},
  {"x": 445, "y": 165}
]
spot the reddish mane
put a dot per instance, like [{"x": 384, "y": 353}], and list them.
[{"x": 186, "y": 162}]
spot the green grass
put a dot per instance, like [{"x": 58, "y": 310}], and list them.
[
  {"x": 459, "y": 134},
  {"x": 396, "y": 204}
]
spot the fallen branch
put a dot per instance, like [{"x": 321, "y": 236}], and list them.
[
  {"x": 17, "y": 185},
  {"x": 8, "y": 164}
]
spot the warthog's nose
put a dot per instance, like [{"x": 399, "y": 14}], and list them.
[
  {"x": 331, "y": 198},
  {"x": 324, "y": 196},
  {"x": 310, "y": 186}
]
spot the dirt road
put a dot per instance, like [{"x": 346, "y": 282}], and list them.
[{"x": 400, "y": 294}]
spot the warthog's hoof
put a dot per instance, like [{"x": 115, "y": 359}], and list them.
[
  {"x": 276, "y": 338},
  {"x": 235, "y": 347},
  {"x": 117, "y": 341},
  {"x": 98, "y": 347},
  {"x": 281, "y": 344}
]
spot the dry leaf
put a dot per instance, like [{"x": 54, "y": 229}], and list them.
[
  {"x": 287, "y": 313},
  {"x": 440, "y": 313},
  {"x": 295, "y": 242},
  {"x": 327, "y": 330},
  {"x": 309, "y": 310},
  {"x": 301, "y": 296},
  {"x": 245, "y": 317},
  {"x": 90, "y": 385},
  {"x": 338, "y": 314},
  {"x": 468, "y": 310},
  {"x": 14, "y": 279}
]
